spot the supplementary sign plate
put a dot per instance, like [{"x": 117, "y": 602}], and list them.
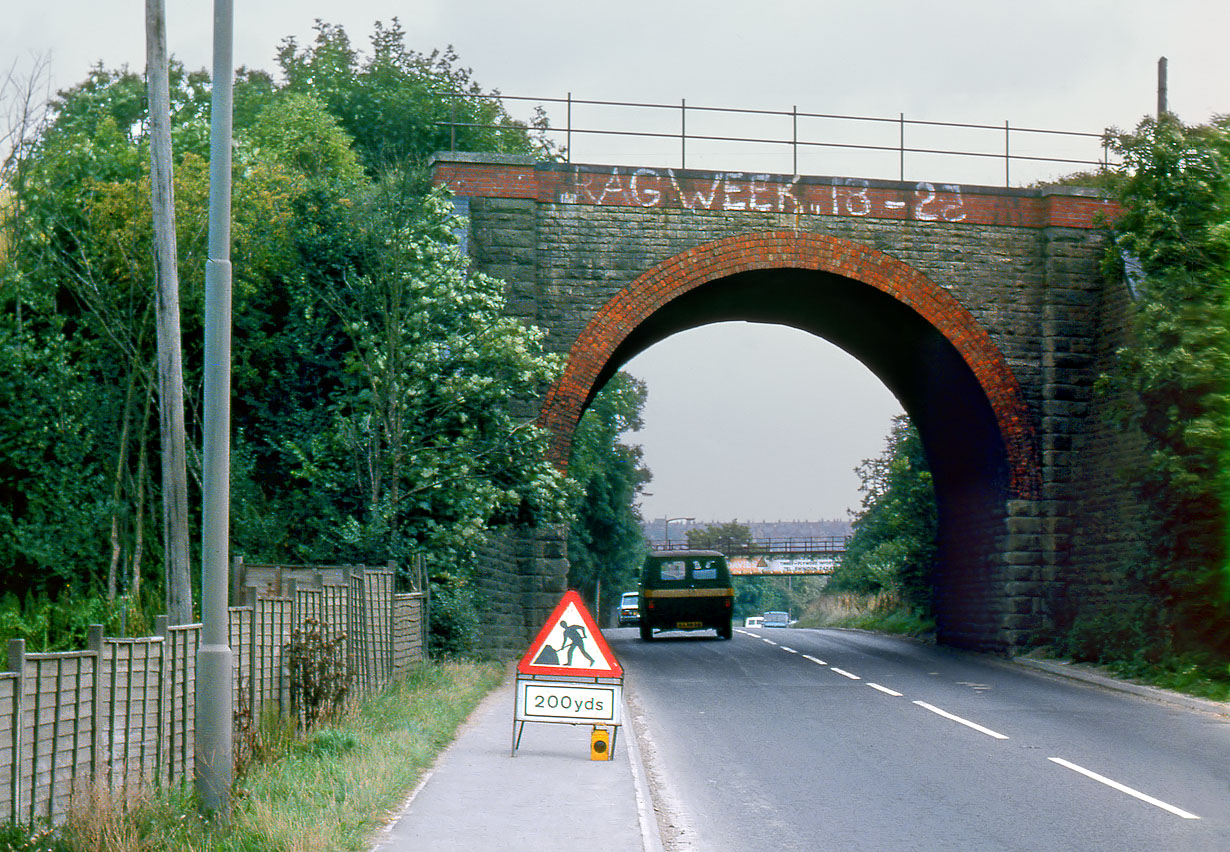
[{"x": 576, "y": 703}]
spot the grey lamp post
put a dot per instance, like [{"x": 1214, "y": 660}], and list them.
[
  {"x": 213, "y": 696},
  {"x": 667, "y": 528}
]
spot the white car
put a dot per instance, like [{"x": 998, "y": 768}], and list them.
[
  {"x": 629, "y": 613},
  {"x": 754, "y": 621}
]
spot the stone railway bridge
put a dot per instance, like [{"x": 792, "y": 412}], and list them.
[{"x": 982, "y": 309}]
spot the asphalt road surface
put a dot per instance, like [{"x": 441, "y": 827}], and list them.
[{"x": 840, "y": 740}]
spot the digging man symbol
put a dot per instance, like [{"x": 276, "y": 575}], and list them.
[{"x": 574, "y": 640}]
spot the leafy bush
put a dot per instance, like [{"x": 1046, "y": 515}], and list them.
[{"x": 454, "y": 619}]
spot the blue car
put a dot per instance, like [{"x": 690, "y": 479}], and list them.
[{"x": 777, "y": 619}]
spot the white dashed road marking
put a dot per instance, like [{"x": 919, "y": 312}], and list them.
[
  {"x": 966, "y": 722},
  {"x": 1101, "y": 779}
]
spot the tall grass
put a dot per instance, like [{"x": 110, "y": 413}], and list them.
[
  {"x": 326, "y": 792},
  {"x": 884, "y": 612}
]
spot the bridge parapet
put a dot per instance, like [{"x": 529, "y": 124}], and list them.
[{"x": 503, "y": 176}]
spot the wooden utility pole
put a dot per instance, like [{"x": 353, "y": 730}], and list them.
[{"x": 170, "y": 360}]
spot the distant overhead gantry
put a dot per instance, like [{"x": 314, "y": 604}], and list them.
[{"x": 782, "y": 557}]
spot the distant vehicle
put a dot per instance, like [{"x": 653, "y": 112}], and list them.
[
  {"x": 686, "y": 590},
  {"x": 754, "y": 621},
  {"x": 628, "y": 608},
  {"x": 776, "y": 618}
]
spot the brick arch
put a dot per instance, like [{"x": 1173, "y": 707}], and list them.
[{"x": 565, "y": 402}]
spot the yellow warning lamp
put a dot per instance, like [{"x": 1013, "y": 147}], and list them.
[{"x": 600, "y": 744}]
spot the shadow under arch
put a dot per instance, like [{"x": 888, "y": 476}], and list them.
[{"x": 912, "y": 334}]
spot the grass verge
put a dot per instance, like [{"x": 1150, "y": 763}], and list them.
[{"x": 327, "y": 792}]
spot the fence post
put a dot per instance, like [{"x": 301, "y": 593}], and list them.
[
  {"x": 94, "y": 642},
  {"x": 237, "y": 578},
  {"x": 352, "y": 656},
  {"x": 17, "y": 662},
  {"x": 683, "y": 133},
  {"x": 1007, "y": 155},
  {"x": 162, "y": 628},
  {"x": 794, "y": 139},
  {"x": 425, "y": 614},
  {"x": 286, "y": 635},
  {"x": 392, "y": 632},
  {"x": 361, "y": 621},
  {"x": 249, "y": 594},
  {"x": 901, "y": 147}
]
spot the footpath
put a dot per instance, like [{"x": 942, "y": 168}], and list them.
[{"x": 549, "y": 798}]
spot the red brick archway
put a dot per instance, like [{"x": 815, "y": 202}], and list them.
[{"x": 693, "y": 269}]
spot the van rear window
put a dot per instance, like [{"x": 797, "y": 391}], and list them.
[
  {"x": 705, "y": 572},
  {"x": 676, "y": 570}
]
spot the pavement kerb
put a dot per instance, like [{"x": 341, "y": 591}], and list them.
[
  {"x": 651, "y": 836},
  {"x": 1074, "y": 671}
]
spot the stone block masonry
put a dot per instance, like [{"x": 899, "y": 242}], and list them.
[{"x": 983, "y": 310}]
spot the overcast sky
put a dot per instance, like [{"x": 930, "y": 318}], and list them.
[{"x": 796, "y": 413}]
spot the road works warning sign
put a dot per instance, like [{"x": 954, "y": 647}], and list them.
[
  {"x": 570, "y": 644},
  {"x": 569, "y": 675}
]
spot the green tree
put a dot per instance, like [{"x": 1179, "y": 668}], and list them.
[
  {"x": 425, "y": 425},
  {"x": 893, "y": 546},
  {"x": 401, "y": 106},
  {"x": 382, "y": 399},
  {"x": 1175, "y": 193},
  {"x": 606, "y": 545},
  {"x": 720, "y": 537},
  {"x": 80, "y": 281}
]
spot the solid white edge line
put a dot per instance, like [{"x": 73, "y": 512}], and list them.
[
  {"x": 966, "y": 722},
  {"x": 814, "y": 660},
  {"x": 845, "y": 673},
  {"x": 884, "y": 689},
  {"x": 1101, "y": 779}
]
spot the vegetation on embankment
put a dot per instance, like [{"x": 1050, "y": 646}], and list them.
[
  {"x": 328, "y": 791},
  {"x": 882, "y": 613}
]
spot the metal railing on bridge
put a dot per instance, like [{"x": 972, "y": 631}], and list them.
[
  {"x": 829, "y": 545},
  {"x": 1011, "y": 144}
]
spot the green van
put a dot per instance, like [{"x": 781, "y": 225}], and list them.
[{"x": 686, "y": 590}]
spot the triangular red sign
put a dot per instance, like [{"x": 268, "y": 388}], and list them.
[{"x": 570, "y": 644}]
